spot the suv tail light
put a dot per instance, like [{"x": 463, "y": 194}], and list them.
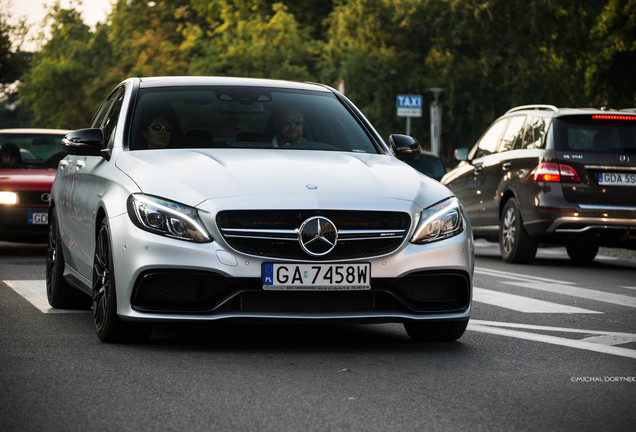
[{"x": 553, "y": 172}]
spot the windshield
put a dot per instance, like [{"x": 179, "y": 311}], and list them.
[
  {"x": 592, "y": 134},
  {"x": 30, "y": 150},
  {"x": 245, "y": 117}
]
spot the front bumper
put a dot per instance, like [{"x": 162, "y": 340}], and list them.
[
  {"x": 15, "y": 224},
  {"x": 162, "y": 279}
]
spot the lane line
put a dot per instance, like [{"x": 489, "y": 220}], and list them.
[
  {"x": 524, "y": 304},
  {"x": 517, "y": 276},
  {"x": 490, "y": 328},
  {"x": 34, "y": 291},
  {"x": 601, "y": 296},
  {"x": 611, "y": 339}
]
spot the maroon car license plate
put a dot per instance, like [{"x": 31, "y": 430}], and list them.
[{"x": 38, "y": 218}]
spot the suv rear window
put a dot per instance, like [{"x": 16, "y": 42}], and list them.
[{"x": 587, "y": 134}]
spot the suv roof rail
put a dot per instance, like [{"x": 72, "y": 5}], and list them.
[{"x": 533, "y": 107}]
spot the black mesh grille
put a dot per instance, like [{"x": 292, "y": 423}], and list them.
[
  {"x": 33, "y": 198},
  {"x": 287, "y": 246}
]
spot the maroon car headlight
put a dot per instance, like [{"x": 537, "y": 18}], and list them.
[
  {"x": 8, "y": 198},
  {"x": 167, "y": 218}
]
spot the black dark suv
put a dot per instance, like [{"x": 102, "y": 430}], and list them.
[{"x": 542, "y": 175}]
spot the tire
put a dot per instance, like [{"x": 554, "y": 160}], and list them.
[
  {"x": 434, "y": 331},
  {"x": 582, "y": 253},
  {"x": 60, "y": 294},
  {"x": 108, "y": 326},
  {"x": 515, "y": 244}
]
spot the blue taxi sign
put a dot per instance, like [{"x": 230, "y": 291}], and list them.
[{"x": 409, "y": 105}]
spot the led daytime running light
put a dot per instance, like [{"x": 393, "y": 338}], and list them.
[{"x": 167, "y": 218}]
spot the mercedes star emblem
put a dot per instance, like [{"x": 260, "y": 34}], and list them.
[{"x": 318, "y": 236}]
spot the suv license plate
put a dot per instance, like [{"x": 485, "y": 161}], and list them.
[
  {"x": 38, "y": 218},
  {"x": 616, "y": 179},
  {"x": 316, "y": 277}
]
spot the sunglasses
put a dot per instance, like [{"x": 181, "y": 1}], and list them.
[
  {"x": 289, "y": 121},
  {"x": 161, "y": 128}
]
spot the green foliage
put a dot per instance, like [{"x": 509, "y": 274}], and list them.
[
  {"x": 55, "y": 89},
  {"x": 609, "y": 77},
  {"x": 250, "y": 39},
  {"x": 12, "y": 63},
  {"x": 487, "y": 55}
]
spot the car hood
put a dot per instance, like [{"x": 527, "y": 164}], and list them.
[
  {"x": 27, "y": 178},
  {"x": 253, "y": 178}
]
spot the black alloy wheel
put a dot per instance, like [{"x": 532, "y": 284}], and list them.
[
  {"x": 60, "y": 294},
  {"x": 515, "y": 244},
  {"x": 108, "y": 326}
]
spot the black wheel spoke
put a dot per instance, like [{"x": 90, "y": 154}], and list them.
[{"x": 101, "y": 279}]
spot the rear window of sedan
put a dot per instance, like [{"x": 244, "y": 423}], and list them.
[
  {"x": 35, "y": 150},
  {"x": 246, "y": 117},
  {"x": 596, "y": 135}
]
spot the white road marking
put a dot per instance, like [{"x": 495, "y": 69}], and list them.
[
  {"x": 505, "y": 329},
  {"x": 35, "y": 292},
  {"x": 629, "y": 287},
  {"x": 517, "y": 276},
  {"x": 524, "y": 304},
  {"x": 612, "y": 339},
  {"x": 585, "y": 293}
]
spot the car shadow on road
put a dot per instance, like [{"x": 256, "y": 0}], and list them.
[
  {"x": 22, "y": 249},
  {"x": 292, "y": 338}
]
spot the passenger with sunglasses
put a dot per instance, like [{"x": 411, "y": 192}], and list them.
[
  {"x": 289, "y": 126},
  {"x": 159, "y": 132}
]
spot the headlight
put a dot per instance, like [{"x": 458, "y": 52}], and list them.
[
  {"x": 9, "y": 198},
  {"x": 166, "y": 218},
  {"x": 438, "y": 222}
]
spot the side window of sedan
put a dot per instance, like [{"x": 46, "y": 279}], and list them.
[
  {"x": 489, "y": 142},
  {"x": 513, "y": 137},
  {"x": 110, "y": 122}
]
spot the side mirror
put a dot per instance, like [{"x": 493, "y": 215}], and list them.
[
  {"x": 404, "y": 147},
  {"x": 84, "y": 142},
  {"x": 461, "y": 154}
]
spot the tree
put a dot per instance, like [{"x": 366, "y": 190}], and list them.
[
  {"x": 251, "y": 39},
  {"x": 612, "y": 60},
  {"x": 13, "y": 64},
  {"x": 378, "y": 48},
  {"x": 55, "y": 88},
  {"x": 146, "y": 37}
]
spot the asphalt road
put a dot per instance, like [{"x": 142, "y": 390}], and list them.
[{"x": 551, "y": 346}]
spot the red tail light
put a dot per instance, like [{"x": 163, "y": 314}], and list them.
[
  {"x": 553, "y": 172},
  {"x": 613, "y": 117}
]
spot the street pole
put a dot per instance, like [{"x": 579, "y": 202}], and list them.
[{"x": 436, "y": 119}]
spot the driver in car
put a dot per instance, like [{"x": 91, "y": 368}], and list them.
[{"x": 289, "y": 126}]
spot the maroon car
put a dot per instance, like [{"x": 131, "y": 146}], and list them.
[{"x": 28, "y": 163}]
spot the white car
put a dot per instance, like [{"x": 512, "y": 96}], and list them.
[{"x": 202, "y": 198}]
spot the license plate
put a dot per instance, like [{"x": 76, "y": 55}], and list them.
[
  {"x": 616, "y": 179},
  {"x": 38, "y": 218},
  {"x": 316, "y": 277}
]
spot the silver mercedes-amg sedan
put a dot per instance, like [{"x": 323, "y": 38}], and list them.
[{"x": 201, "y": 198}]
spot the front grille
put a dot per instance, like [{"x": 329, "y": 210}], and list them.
[
  {"x": 275, "y": 233},
  {"x": 33, "y": 198}
]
